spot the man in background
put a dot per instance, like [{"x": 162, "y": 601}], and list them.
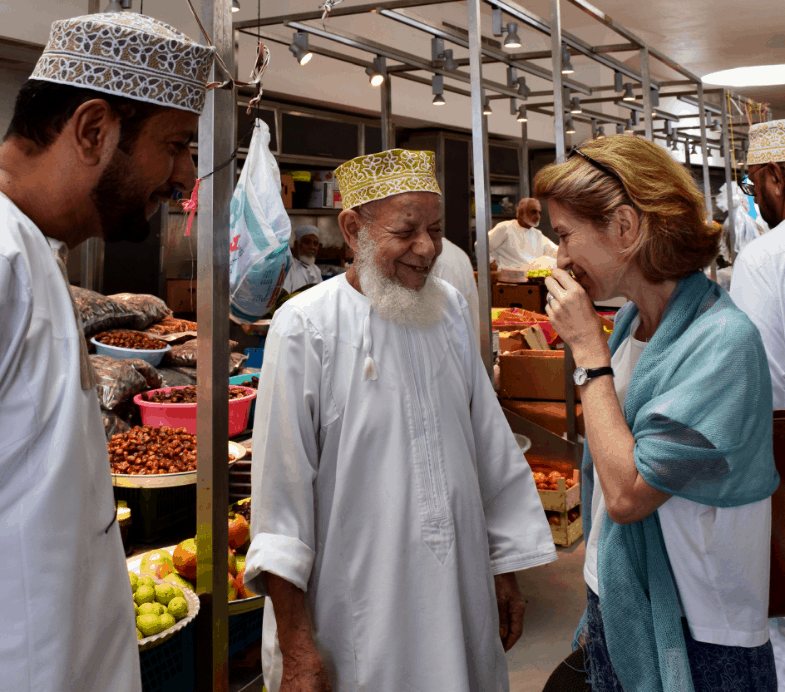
[
  {"x": 518, "y": 242},
  {"x": 758, "y": 288},
  {"x": 303, "y": 271},
  {"x": 99, "y": 138}
]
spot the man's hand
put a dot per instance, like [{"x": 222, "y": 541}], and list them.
[
  {"x": 511, "y": 609},
  {"x": 305, "y": 672}
]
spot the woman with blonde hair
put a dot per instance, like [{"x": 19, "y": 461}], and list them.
[{"x": 678, "y": 465}]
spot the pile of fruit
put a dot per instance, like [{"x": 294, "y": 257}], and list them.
[
  {"x": 186, "y": 395},
  {"x": 179, "y": 567},
  {"x": 253, "y": 383},
  {"x": 550, "y": 480},
  {"x": 554, "y": 518},
  {"x": 125, "y": 338},
  {"x": 157, "y": 606},
  {"x": 538, "y": 273}
]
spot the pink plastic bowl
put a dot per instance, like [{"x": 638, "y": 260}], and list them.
[{"x": 184, "y": 415}]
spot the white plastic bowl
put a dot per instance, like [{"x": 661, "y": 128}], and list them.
[{"x": 152, "y": 357}]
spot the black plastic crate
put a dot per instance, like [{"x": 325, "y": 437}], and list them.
[{"x": 157, "y": 511}]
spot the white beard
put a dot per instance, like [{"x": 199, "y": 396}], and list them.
[
  {"x": 310, "y": 260},
  {"x": 389, "y": 298}
]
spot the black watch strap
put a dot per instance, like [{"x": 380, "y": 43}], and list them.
[{"x": 599, "y": 372}]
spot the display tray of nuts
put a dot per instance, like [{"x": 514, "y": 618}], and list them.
[
  {"x": 185, "y": 395},
  {"x": 148, "y": 457},
  {"x": 127, "y": 338}
]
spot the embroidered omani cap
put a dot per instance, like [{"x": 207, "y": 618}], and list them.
[
  {"x": 393, "y": 172},
  {"x": 127, "y": 54},
  {"x": 767, "y": 143}
]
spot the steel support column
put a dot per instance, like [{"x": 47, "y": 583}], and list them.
[
  {"x": 388, "y": 127},
  {"x": 558, "y": 87},
  {"x": 728, "y": 156},
  {"x": 523, "y": 166},
  {"x": 648, "y": 109},
  {"x": 216, "y": 138},
  {"x": 482, "y": 193}
]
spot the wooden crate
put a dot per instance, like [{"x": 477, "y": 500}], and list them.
[
  {"x": 563, "y": 499},
  {"x": 567, "y": 534}
]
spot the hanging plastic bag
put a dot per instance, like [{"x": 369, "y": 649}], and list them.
[
  {"x": 746, "y": 226},
  {"x": 260, "y": 232}
]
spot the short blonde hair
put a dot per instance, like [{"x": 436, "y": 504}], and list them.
[{"x": 675, "y": 238}]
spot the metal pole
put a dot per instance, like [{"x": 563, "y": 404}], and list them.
[
  {"x": 648, "y": 110},
  {"x": 212, "y": 493},
  {"x": 726, "y": 146},
  {"x": 388, "y": 128},
  {"x": 706, "y": 178},
  {"x": 523, "y": 166},
  {"x": 482, "y": 193},
  {"x": 558, "y": 87}
]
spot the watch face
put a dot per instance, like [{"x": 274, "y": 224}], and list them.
[{"x": 579, "y": 376}]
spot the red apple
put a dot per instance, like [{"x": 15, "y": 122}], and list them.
[{"x": 239, "y": 531}]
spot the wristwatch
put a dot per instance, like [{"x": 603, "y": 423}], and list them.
[{"x": 581, "y": 375}]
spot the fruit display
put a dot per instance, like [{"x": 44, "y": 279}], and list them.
[
  {"x": 554, "y": 518},
  {"x": 186, "y": 395},
  {"x": 145, "y": 450},
  {"x": 158, "y": 606},
  {"x": 253, "y": 383},
  {"x": 172, "y": 325},
  {"x": 538, "y": 273},
  {"x": 125, "y": 338},
  {"x": 549, "y": 481}
]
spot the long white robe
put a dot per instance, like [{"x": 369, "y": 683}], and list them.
[
  {"x": 455, "y": 267},
  {"x": 391, "y": 502},
  {"x": 67, "y": 619},
  {"x": 512, "y": 245},
  {"x": 301, "y": 274}
]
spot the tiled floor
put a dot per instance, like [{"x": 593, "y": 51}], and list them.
[{"x": 557, "y": 597}]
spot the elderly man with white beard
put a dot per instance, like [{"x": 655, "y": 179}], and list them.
[
  {"x": 303, "y": 271},
  {"x": 390, "y": 504}
]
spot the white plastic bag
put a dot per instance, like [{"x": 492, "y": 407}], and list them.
[
  {"x": 748, "y": 224},
  {"x": 260, "y": 230}
]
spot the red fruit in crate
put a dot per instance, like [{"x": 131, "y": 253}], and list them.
[
  {"x": 239, "y": 530},
  {"x": 185, "y": 558},
  {"x": 242, "y": 590},
  {"x": 232, "y": 588},
  {"x": 232, "y": 564}
]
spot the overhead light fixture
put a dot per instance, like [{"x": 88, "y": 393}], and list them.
[
  {"x": 114, "y": 6},
  {"x": 675, "y": 147},
  {"x": 376, "y": 72},
  {"x": 566, "y": 64},
  {"x": 575, "y": 107},
  {"x": 619, "y": 129},
  {"x": 511, "y": 40},
  {"x": 569, "y": 127},
  {"x": 628, "y": 95},
  {"x": 497, "y": 21},
  {"x": 694, "y": 149},
  {"x": 486, "y": 107},
  {"x": 235, "y": 6},
  {"x": 618, "y": 82},
  {"x": 299, "y": 47},
  {"x": 634, "y": 117},
  {"x": 437, "y": 87},
  {"x": 522, "y": 117},
  {"x": 715, "y": 126},
  {"x": 628, "y": 127},
  {"x": 762, "y": 75},
  {"x": 450, "y": 63},
  {"x": 523, "y": 90},
  {"x": 512, "y": 77},
  {"x": 655, "y": 97},
  {"x": 600, "y": 131}
]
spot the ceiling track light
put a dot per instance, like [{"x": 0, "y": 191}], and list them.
[
  {"x": 486, "y": 107},
  {"x": 566, "y": 64},
  {"x": 694, "y": 150},
  {"x": 618, "y": 82},
  {"x": 628, "y": 127},
  {"x": 522, "y": 117},
  {"x": 628, "y": 94},
  {"x": 376, "y": 72},
  {"x": 600, "y": 131},
  {"x": 299, "y": 47},
  {"x": 635, "y": 117},
  {"x": 437, "y": 87},
  {"x": 569, "y": 127},
  {"x": 511, "y": 40},
  {"x": 715, "y": 126},
  {"x": 113, "y": 6},
  {"x": 512, "y": 77},
  {"x": 450, "y": 64},
  {"x": 655, "y": 97},
  {"x": 523, "y": 90},
  {"x": 675, "y": 147},
  {"x": 619, "y": 129},
  {"x": 575, "y": 107},
  {"x": 235, "y": 6}
]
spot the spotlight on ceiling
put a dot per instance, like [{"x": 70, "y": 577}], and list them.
[
  {"x": 235, "y": 6},
  {"x": 376, "y": 72},
  {"x": 628, "y": 95},
  {"x": 600, "y": 131},
  {"x": 715, "y": 126},
  {"x": 486, "y": 107},
  {"x": 299, "y": 47},
  {"x": 437, "y": 87},
  {"x": 566, "y": 65},
  {"x": 522, "y": 117},
  {"x": 569, "y": 127},
  {"x": 675, "y": 147},
  {"x": 575, "y": 107},
  {"x": 511, "y": 40},
  {"x": 694, "y": 149},
  {"x": 523, "y": 90},
  {"x": 619, "y": 129},
  {"x": 628, "y": 128},
  {"x": 114, "y": 6}
]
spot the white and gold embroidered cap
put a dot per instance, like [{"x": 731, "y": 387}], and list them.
[
  {"x": 767, "y": 143},
  {"x": 130, "y": 55},
  {"x": 393, "y": 172}
]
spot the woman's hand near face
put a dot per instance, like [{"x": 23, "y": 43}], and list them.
[{"x": 573, "y": 316}]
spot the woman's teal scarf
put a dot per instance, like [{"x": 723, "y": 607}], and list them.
[{"x": 699, "y": 407}]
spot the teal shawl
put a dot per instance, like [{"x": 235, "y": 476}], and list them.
[{"x": 699, "y": 407}]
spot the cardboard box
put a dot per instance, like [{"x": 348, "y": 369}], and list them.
[
  {"x": 181, "y": 295},
  {"x": 534, "y": 375},
  {"x": 322, "y": 195},
  {"x": 526, "y": 296},
  {"x": 287, "y": 191}
]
